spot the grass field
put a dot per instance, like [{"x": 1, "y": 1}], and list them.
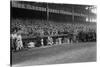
[{"x": 65, "y": 53}]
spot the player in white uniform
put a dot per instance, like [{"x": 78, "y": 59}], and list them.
[
  {"x": 13, "y": 40},
  {"x": 50, "y": 41},
  {"x": 19, "y": 42},
  {"x": 60, "y": 40},
  {"x": 42, "y": 42}
]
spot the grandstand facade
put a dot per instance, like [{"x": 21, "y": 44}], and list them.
[{"x": 52, "y": 11}]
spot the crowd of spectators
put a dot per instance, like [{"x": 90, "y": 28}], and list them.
[{"x": 34, "y": 29}]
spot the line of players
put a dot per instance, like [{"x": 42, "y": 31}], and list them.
[{"x": 17, "y": 42}]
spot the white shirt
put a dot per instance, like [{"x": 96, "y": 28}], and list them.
[
  {"x": 19, "y": 37},
  {"x": 13, "y": 36}
]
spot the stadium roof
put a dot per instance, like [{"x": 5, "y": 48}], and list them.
[{"x": 79, "y": 10}]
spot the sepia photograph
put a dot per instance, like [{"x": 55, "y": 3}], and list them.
[{"x": 43, "y": 33}]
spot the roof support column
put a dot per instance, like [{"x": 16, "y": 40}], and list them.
[
  {"x": 47, "y": 13},
  {"x": 72, "y": 14}
]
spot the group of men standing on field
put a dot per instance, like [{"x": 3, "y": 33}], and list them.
[
  {"x": 17, "y": 43},
  {"x": 49, "y": 41}
]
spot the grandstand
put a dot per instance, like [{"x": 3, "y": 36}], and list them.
[
  {"x": 50, "y": 19},
  {"x": 61, "y": 12}
]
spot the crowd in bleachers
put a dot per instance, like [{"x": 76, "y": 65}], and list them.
[
  {"x": 31, "y": 26},
  {"x": 52, "y": 32}
]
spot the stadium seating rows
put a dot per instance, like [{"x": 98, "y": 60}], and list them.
[{"x": 42, "y": 27}]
